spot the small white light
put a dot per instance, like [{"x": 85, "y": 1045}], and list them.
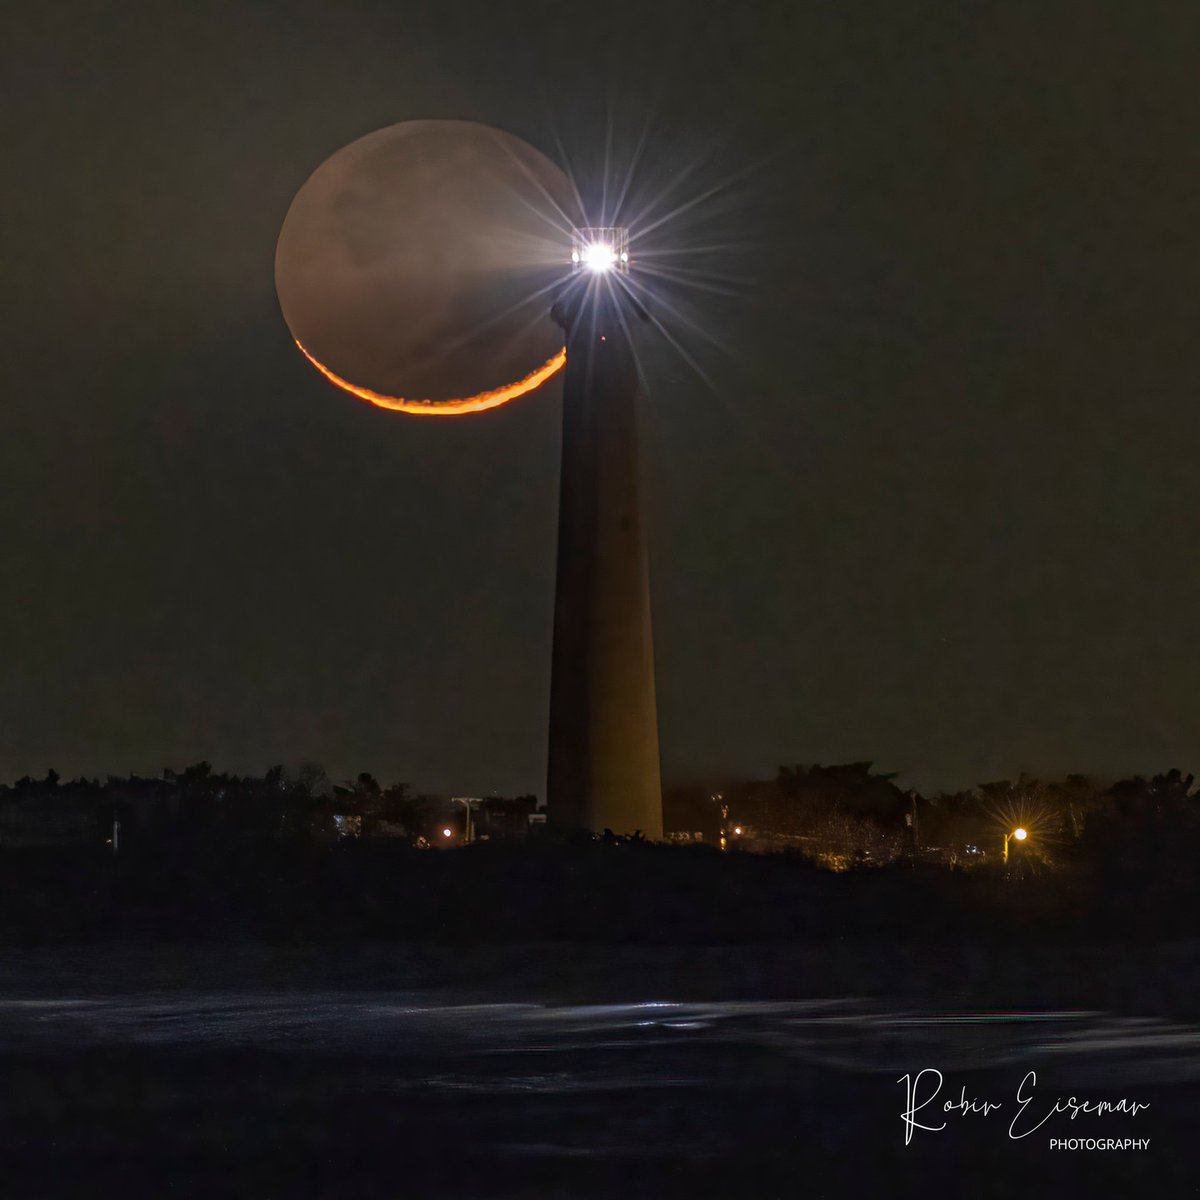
[
  {"x": 625, "y": 256},
  {"x": 574, "y": 256},
  {"x": 447, "y": 833}
]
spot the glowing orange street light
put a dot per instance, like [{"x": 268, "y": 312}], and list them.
[{"x": 1020, "y": 833}]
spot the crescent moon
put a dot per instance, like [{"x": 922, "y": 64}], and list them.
[
  {"x": 480, "y": 402},
  {"x": 407, "y": 262}
]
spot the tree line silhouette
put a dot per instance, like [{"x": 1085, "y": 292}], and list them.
[
  {"x": 842, "y": 815},
  {"x": 293, "y": 855},
  {"x": 199, "y": 804},
  {"x": 850, "y": 814}
]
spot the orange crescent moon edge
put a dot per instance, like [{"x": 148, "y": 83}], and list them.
[{"x": 443, "y": 408}]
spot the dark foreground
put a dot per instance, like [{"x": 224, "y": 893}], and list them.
[
  {"x": 229, "y": 890},
  {"x": 559, "y": 1070},
  {"x": 544, "y": 1020}
]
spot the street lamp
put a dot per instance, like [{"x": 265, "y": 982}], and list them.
[
  {"x": 1020, "y": 833},
  {"x": 465, "y": 801},
  {"x": 719, "y": 800}
]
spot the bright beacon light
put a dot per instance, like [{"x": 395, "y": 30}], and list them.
[
  {"x": 599, "y": 257},
  {"x": 600, "y": 249}
]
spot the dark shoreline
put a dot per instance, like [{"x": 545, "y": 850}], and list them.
[
  {"x": 1146, "y": 980},
  {"x": 594, "y": 922},
  {"x": 587, "y": 893}
]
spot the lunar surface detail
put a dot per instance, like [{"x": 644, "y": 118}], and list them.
[{"x": 415, "y": 267}]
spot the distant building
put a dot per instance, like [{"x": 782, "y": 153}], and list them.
[{"x": 496, "y": 818}]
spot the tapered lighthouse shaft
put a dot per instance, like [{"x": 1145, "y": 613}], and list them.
[{"x": 603, "y": 770}]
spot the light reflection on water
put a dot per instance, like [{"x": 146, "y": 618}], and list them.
[
  {"x": 442, "y": 1092},
  {"x": 597, "y": 1046}
]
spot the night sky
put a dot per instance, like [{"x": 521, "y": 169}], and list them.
[{"x": 938, "y": 505}]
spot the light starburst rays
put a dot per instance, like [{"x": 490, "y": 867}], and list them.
[
  {"x": 552, "y": 212},
  {"x": 675, "y": 271},
  {"x": 536, "y": 297},
  {"x": 717, "y": 285},
  {"x": 683, "y": 264},
  {"x": 630, "y": 339},
  {"x": 645, "y": 226},
  {"x": 630, "y": 171},
  {"x": 607, "y": 172},
  {"x": 691, "y": 250},
  {"x": 666, "y": 334},
  {"x": 565, "y": 161},
  {"x": 1028, "y": 808},
  {"x": 647, "y": 296},
  {"x": 640, "y": 219}
]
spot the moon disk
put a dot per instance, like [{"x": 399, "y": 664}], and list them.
[{"x": 416, "y": 262}]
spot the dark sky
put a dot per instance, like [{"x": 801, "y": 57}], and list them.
[{"x": 940, "y": 509}]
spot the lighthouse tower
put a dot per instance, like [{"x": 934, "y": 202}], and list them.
[{"x": 603, "y": 766}]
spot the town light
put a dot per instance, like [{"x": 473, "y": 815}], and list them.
[
  {"x": 447, "y": 833},
  {"x": 1020, "y": 834},
  {"x": 600, "y": 249}
]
